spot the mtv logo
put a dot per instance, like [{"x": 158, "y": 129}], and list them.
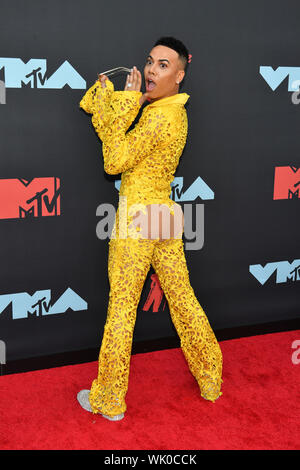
[
  {"x": 275, "y": 77},
  {"x": 197, "y": 189},
  {"x": 286, "y": 182},
  {"x": 34, "y": 72},
  {"x": 284, "y": 271},
  {"x": 39, "y": 304},
  {"x": 22, "y": 198}
]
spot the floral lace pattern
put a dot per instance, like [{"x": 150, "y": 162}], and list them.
[{"x": 147, "y": 157}]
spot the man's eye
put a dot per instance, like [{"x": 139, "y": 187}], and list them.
[{"x": 149, "y": 61}]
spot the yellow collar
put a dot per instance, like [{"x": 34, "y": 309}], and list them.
[{"x": 178, "y": 98}]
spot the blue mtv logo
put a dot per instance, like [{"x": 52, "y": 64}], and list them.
[
  {"x": 284, "y": 270},
  {"x": 39, "y": 304},
  {"x": 197, "y": 189},
  {"x": 275, "y": 77},
  {"x": 35, "y": 72}
]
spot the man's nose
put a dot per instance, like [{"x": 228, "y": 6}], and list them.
[{"x": 152, "y": 69}]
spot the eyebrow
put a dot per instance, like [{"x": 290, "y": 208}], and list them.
[{"x": 159, "y": 59}]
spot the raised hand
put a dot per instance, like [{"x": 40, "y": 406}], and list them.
[{"x": 134, "y": 82}]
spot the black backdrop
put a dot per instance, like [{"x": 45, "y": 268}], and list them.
[{"x": 243, "y": 130}]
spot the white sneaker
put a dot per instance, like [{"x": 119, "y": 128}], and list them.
[{"x": 83, "y": 398}]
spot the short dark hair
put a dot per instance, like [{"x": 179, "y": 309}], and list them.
[{"x": 178, "y": 46}]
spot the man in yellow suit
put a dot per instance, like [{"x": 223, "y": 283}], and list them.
[{"x": 147, "y": 157}]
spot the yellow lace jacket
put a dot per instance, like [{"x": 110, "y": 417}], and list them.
[{"x": 148, "y": 155}]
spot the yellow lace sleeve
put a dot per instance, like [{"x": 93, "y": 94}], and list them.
[
  {"x": 96, "y": 102},
  {"x": 123, "y": 151},
  {"x": 96, "y": 96}
]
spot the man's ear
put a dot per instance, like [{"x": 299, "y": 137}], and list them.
[{"x": 180, "y": 76}]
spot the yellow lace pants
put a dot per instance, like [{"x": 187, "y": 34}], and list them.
[{"x": 129, "y": 261}]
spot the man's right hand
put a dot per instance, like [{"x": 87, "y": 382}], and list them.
[{"x": 136, "y": 79}]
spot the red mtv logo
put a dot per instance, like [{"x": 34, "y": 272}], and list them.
[
  {"x": 286, "y": 182},
  {"x": 21, "y": 198}
]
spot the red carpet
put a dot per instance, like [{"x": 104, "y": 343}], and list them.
[{"x": 259, "y": 408}]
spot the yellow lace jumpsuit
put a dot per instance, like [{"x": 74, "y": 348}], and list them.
[{"x": 147, "y": 157}]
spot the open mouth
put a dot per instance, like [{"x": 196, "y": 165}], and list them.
[{"x": 150, "y": 84}]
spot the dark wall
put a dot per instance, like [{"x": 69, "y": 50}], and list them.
[{"x": 239, "y": 166}]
